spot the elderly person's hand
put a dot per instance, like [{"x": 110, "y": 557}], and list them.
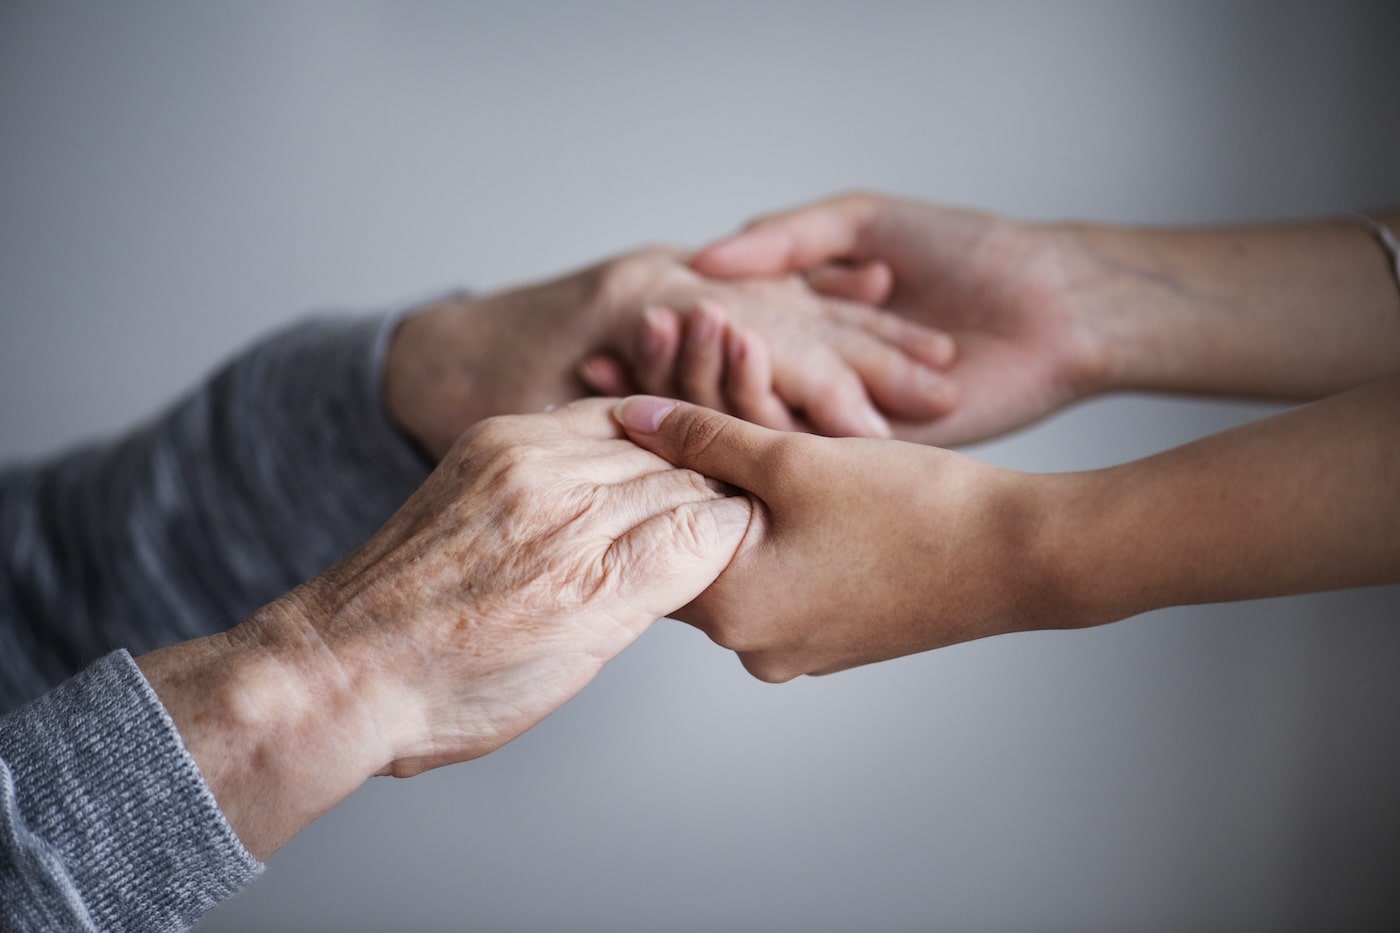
[
  {"x": 541, "y": 547},
  {"x": 833, "y": 364}
]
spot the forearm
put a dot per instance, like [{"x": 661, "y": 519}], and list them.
[
  {"x": 1290, "y": 311},
  {"x": 280, "y": 728},
  {"x": 1307, "y": 500}
]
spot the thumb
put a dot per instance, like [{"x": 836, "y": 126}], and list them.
[
  {"x": 701, "y": 439},
  {"x": 791, "y": 241}
]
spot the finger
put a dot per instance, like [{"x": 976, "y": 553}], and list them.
[
  {"x": 606, "y": 375},
  {"x": 925, "y": 344},
  {"x": 899, "y": 385},
  {"x": 662, "y": 488},
  {"x": 791, "y": 241},
  {"x": 726, "y": 448},
  {"x": 658, "y": 341},
  {"x": 668, "y": 560},
  {"x": 833, "y": 398},
  {"x": 700, "y": 366},
  {"x": 748, "y": 382},
  {"x": 587, "y": 417},
  {"x": 867, "y": 282}
]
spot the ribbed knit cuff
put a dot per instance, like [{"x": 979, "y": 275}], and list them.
[{"x": 106, "y": 789}]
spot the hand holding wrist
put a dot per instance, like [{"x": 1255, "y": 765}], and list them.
[
  {"x": 541, "y": 547},
  {"x": 866, "y": 550}
]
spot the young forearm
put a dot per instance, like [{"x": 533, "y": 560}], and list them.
[
  {"x": 1304, "y": 501},
  {"x": 1291, "y": 311}
]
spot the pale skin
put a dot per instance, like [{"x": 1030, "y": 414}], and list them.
[
  {"x": 458, "y": 360},
  {"x": 867, "y": 550},
  {"x": 1047, "y": 314},
  {"x": 947, "y": 549},
  {"x": 540, "y": 548}
]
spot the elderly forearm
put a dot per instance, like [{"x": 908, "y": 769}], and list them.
[
  {"x": 1307, "y": 500},
  {"x": 280, "y": 729},
  {"x": 1294, "y": 311}
]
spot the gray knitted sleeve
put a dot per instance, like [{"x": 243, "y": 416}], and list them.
[
  {"x": 280, "y": 464},
  {"x": 105, "y": 822}
]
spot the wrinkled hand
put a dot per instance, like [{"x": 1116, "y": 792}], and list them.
[
  {"x": 998, "y": 288},
  {"x": 861, "y": 550},
  {"x": 458, "y": 360},
  {"x": 539, "y": 549}
]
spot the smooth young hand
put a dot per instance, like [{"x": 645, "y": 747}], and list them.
[
  {"x": 996, "y": 287},
  {"x": 861, "y": 550}
]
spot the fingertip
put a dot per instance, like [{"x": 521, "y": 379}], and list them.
[
  {"x": 716, "y": 259},
  {"x": 604, "y": 375},
  {"x": 643, "y": 414},
  {"x": 868, "y": 283},
  {"x": 943, "y": 350},
  {"x": 846, "y": 411},
  {"x": 880, "y": 280},
  {"x": 874, "y": 423}
]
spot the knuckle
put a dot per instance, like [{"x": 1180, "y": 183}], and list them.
[{"x": 630, "y": 277}]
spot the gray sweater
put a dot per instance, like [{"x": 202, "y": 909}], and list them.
[{"x": 283, "y": 462}]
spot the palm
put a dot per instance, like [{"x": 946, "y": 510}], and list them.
[{"x": 979, "y": 280}]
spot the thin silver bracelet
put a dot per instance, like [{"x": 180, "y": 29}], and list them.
[{"x": 1388, "y": 243}]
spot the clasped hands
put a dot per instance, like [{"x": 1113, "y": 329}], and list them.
[
  {"x": 543, "y": 544},
  {"x": 784, "y": 331}
]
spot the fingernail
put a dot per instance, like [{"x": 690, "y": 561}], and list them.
[
  {"x": 876, "y": 425},
  {"x": 643, "y": 413}
]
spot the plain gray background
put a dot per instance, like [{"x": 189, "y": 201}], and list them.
[{"x": 177, "y": 179}]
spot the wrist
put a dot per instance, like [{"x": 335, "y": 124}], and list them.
[
  {"x": 1084, "y": 551},
  {"x": 428, "y": 371},
  {"x": 279, "y": 727},
  {"x": 1086, "y": 293}
]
